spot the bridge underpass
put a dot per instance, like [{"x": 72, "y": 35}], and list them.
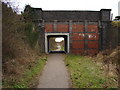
[
  {"x": 48, "y": 43},
  {"x": 84, "y": 31}
]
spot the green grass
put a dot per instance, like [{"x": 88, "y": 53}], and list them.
[
  {"x": 30, "y": 74},
  {"x": 62, "y": 48},
  {"x": 86, "y": 74}
]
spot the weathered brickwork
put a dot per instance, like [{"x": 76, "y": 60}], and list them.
[
  {"x": 86, "y": 29},
  {"x": 62, "y": 28},
  {"x": 48, "y": 27}
]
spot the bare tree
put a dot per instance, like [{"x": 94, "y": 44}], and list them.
[{"x": 14, "y": 4}]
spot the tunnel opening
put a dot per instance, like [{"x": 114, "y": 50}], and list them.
[
  {"x": 63, "y": 38},
  {"x": 57, "y": 43}
]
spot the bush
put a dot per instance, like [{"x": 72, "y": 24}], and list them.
[
  {"x": 116, "y": 23},
  {"x": 32, "y": 35}
]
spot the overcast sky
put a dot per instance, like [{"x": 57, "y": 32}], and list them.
[{"x": 72, "y": 4}]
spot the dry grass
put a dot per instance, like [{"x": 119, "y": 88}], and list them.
[{"x": 109, "y": 59}]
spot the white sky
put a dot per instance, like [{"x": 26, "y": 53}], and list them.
[{"x": 72, "y": 4}]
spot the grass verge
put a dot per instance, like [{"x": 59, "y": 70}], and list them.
[
  {"x": 62, "y": 48},
  {"x": 86, "y": 74},
  {"x": 29, "y": 76}
]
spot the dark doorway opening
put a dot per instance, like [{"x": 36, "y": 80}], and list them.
[{"x": 57, "y": 43}]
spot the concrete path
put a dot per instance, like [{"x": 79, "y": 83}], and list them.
[{"x": 55, "y": 74}]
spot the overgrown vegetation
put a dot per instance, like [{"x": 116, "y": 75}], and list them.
[
  {"x": 53, "y": 44},
  {"x": 85, "y": 73},
  {"x": 22, "y": 60},
  {"x": 116, "y": 23},
  {"x": 31, "y": 29},
  {"x": 27, "y": 78},
  {"x": 62, "y": 44},
  {"x": 31, "y": 35},
  {"x": 62, "y": 48},
  {"x": 117, "y": 18},
  {"x": 109, "y": 59}
]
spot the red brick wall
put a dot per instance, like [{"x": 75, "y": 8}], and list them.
[
  {"x": 78, "y": 28},
  {"x": 77, "y": 36},
  {"x": 93, "y": 36},
  {"x": 82, "y": 41},
  {"x": 62, "y": 28},
  {"x": 92, "y": 28},
  {"x": 92, "y": 44},
  {"x": 48, "y": 27},
  {"x": 78, "y": 44}
]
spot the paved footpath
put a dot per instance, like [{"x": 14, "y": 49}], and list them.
[{"x": 55, "y": 74}]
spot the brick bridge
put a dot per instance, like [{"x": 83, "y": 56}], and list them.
[{"x": 83, "y": 31}]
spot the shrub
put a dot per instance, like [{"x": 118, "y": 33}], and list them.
[{"x": 32, "y": 35}]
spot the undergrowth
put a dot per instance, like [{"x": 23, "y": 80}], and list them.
[
  {"x": 62, "y": 48},
  {"x": 28, "y": 76},
  {"x": 32, "y": 34},
  {"x": 115, "y": 23},
  {"x": 86, "y": 74},
  {"x": 20, "y": 48}
]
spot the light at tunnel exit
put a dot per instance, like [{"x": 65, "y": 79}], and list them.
[{"x": 59, "y": 39}]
